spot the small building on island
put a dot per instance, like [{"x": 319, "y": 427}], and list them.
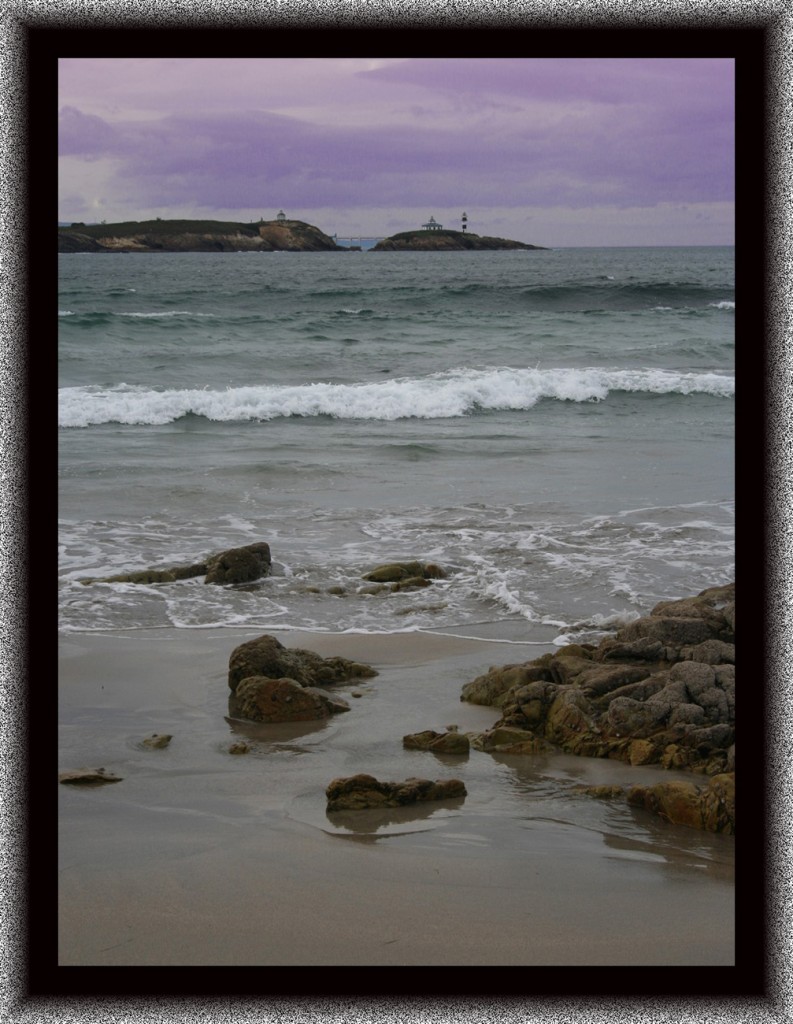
[
  {"x": 432, "y": 225},
  {"x": 280, "y": 216}
]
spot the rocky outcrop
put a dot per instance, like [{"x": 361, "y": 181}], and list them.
[
  {"x": 359, "y": 792},
  {"x": 445, "y": 241},
  {"x": 195, "y": 236},
  {"x": 235, "y": 565},
  {"x": 660, "y": 691},
  {"x": 260, "y": 699},
  {"x": 267, "y": 656},
  {"x": 295, "y": 236}
]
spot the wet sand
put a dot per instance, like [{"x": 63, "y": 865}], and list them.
[{"x": 200, "y": 857}]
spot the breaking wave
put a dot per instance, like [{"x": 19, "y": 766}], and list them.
[{"x": 450, "y": 394}]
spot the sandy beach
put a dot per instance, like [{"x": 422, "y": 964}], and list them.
[{"x": 201, "y": 857}]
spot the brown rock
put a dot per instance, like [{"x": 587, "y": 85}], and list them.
[
  {"x": 394, "y": 572},
  {"x": 239, "y": 565},
  {"x": 364, "y": 791},
  {"x": 266, "y": 656},
  {"x": 156, "y": 741},
  {"x": 240, "y": 747},
  {"x": 661, "y": 691},
  {"x": 280, "y": 700},
  {"x": 451, "y": 742},
  {"x": 510, "y": 740},
  {"x": 684, "y": 803},
  {"x": 604, "y": 792},
  {"x": 490, "y": 688}
]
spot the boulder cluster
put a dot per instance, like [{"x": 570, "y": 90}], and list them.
[
  {"x": 660, "y": 691},
  {"x": 273, "y": 683}
]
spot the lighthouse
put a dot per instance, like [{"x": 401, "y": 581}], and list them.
[{"x": 465, "y": 220}]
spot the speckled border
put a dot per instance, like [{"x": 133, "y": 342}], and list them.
[{"x": 15, "y": 498}]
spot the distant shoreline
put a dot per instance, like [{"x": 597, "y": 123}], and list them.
[{"x": 280, "y": 235}]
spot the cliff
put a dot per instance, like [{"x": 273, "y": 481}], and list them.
[
  {"x": 195, "y": 236},
  {"x": 445, "y": 241}
]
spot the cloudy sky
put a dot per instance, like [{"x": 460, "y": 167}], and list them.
[{"x": 554, "y": 151}]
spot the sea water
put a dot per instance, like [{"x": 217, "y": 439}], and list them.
[{"x": 554, "y": 428}]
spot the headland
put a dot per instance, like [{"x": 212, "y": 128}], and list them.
[{"x": 278, "y": 235}]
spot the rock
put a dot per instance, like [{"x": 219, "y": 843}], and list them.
[
  {"x": 358, "y": 792},
  {"x": 184, "y": 572},
  {"x": 662, "y": 691},
  {"x": 669, "y": 632},
  {"x": 712, "y": 652},
  {"x": 261, "y": 699},
  {"x": 240, "y": 747},
  {"x": 508, "y": 740},
  {"x": 489, "y": 688},
  {"x": 643, "y": 649},
  {"x": 235, "y": 565},
  {"x": 394, "y": 572},
  {"x": 156, "y": 741},
  {"x": 684, "y": 803},
  {"x": 239, "y": 565},
  {"x": 411, "y": 583},
  {"x": 451, "y": 742},
  {"x": 88, "y": 777},
  {"x": 266, "y": 656},
  {"x": 603, "y": 792},
  {"x": 635, "y": 718},
  {"x": 605, "y": 679}
]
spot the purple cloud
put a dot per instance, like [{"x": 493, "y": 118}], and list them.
[{"x": 428, "y": 133}]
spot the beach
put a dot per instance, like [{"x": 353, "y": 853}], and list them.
[{"x": 202, "y": 857}]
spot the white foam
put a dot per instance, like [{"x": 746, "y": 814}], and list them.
[
  {"x": 170, "y": 313},
  {"x": 444, "y": 395}
]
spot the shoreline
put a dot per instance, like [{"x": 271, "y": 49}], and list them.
[{"x": 201, "y": 858}]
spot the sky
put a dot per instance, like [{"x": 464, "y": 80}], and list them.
[{"x": 551, "y": 151}]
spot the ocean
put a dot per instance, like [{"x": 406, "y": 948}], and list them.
[{"x": 554, "y": 428}]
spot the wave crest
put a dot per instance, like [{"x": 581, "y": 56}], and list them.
[{"x": 445, "y": 395}]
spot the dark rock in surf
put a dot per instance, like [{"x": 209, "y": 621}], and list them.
[
  {"x": 233, "y": 566},
  {"x": 239, "y": 565},
  {"x": 401, "y": 572},
  {"x": 359, "y": 792}
]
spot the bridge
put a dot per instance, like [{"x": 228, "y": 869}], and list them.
[{"x": 361, "y": 240}]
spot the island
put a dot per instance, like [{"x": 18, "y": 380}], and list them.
[
  {"x": 279, "y": 235},
  {"x": 442, "y": 240}
]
